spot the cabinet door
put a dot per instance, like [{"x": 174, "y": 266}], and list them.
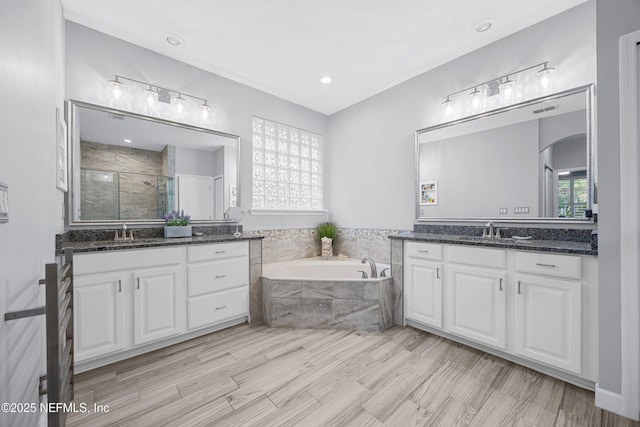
[
  {"x": 98, "y": 310},
  {"x": 423, "y": 292},
  {"x": 549, "y": 321},
  {"x": 477, "y": 304},
  {"x": 158, "y": 304}
]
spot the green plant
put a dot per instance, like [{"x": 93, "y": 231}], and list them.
[
  {"x": 327, "y": 229},
  {"x": 176, "y": 219}
]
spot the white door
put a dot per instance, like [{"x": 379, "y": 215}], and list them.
[
  {"x": 98, "y": 310},
  {"x": 549, "y": 321},
  {"x": 218, "y": 197},
  {"x": 157, "y": 304},
  {"x": 477, "y": 304},
  {"x": 423, "y": 292},
  {"x": 195, "y": 196},
  {"x": 549, "y": 193}
]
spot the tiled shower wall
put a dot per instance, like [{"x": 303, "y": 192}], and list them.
[
  {"x": 135, "y": 166},
  {"x": 289, "y": 244}
]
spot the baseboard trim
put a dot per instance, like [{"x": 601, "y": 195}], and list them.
[{"x": 610, "y": 401}]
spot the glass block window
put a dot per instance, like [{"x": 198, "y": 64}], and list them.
[{"x": 286, "y": 167}]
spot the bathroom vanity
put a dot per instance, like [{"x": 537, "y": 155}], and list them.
[
  {"x": 128, "y": 301},
  {"x": 530, "y": 302}
]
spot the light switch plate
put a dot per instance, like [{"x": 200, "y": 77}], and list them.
[
  {"x": 503, "y": 211},
  {"x": 4, "y": 202},
  {"x": 521, "y": 210}
]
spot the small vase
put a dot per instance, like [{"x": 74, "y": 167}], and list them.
[
  {"x": 177, "y": 231},
  {"x": 327, "y": 247}
]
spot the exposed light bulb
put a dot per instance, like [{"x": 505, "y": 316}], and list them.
[
  {"x": 545, "y": 77},
  {"x": 508, "y": 89},
  {"x": 205, "y": 108},
  {"x": 116, "y": 88},
  {"x": 179, "y": 104},
  {"x": 151, "y": 96},
  {"x": 447, "y": 107}
]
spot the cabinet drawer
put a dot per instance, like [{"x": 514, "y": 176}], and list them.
[
  {"x": 424, "y": 250},
  {"x": 125, "y": 260},
  {"x": 198, "y": 253},
  {"x": 213, "y": 276},
  {"x": 567, "y": 266},
  {"x": 481, "y": 257},
  {"x": 213, "y": 308}
]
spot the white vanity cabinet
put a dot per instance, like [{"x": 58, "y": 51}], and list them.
[
  {"x": 98, "y": 314},
  {"x": 476, "y": 294},
  {"x": 128, "y": 302},
  {"x": 548, "y": 309},
  {"x": 423, "y": 283},
  {"x": 217, "y": 283},
  {"x": 157, "y": 304},
  {"x": 535, "y": 308}
]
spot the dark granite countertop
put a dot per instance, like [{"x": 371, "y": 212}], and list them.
[
  {"x": 558, "y": 246},
  {"x": 152, "y": 242}
]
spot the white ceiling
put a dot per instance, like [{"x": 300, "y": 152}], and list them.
[{"x": 283, "y": 47}]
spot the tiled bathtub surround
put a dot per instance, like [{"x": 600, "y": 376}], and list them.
[
  {"x": 359, "y": 305},
  {"x": 290, "y": 244}
]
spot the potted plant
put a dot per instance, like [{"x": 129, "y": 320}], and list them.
[
  {"x": 327, "y": 232},
  {"x": 176, "y": 224}
]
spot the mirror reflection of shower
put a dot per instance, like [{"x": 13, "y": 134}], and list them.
[{"x": 109, "y": 195}]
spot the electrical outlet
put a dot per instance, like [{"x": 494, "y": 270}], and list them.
[{"x": 503, "y": 211}]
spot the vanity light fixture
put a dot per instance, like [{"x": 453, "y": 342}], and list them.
[
  {"x": 180, "y": 104},
  {"x": 151, "y": 96},
  {"x": 155, "y": 94},
  {"x": 475, "y": 97},
  {"x": 506, "y": 86},
  {"x": 447, "y": 106},
  {"x": 545, "y": 76},
  {"x": 116, "y": 87},
  {"x": 507, "y": 89},
  {"x": 205, "y": 108}
]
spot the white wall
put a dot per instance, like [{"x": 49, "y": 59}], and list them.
[
  {"x": 32, "y": 86},
  {"x": 370, "y": 159},
  {"x": 612, "y": 22},
  {"x": 92, "y": 58},
  {"x": 195, "y": 162}
]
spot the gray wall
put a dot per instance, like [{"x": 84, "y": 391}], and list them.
[
  {"x": 370, "y": 158},
  {"x": 570, "y": 153},
  {"x": 32, "y": 86},
  {"x": 92, "y": 58},
  {"x": 613, "y": 22},
  {"x": 196, "y": 162},
  {"x": 480, "y": 173}
]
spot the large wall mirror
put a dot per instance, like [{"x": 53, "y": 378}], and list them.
[
  {"x": 527, "y": 162},
  {"x": 127, "y": 167}
]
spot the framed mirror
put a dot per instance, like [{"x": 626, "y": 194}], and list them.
[
  {"x": 127, "y": 167},
  {"x": 530, "y": 162}
]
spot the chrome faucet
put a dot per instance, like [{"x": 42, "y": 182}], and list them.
[
  {"x": 372, "y": 263},
  {"x": 489, "y": 230}
]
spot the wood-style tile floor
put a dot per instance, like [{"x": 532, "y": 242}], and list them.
[{"x": 259, "y": 376}]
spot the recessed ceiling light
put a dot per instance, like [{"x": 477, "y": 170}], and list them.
[
  {"x": 173, "y": 40},
  {"x": 325, "y": 80},
  {"x": 128, "y": 141},
  {"x": 483, "y": 25}
]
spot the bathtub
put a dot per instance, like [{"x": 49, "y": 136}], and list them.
[{"x": 315, "y": 293}]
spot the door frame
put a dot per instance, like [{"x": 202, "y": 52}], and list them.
[{"x": 628, "y": 402}]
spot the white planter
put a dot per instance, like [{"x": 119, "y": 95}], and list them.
[{"x": 177, "y": 231}]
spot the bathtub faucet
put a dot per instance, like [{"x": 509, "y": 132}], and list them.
[{"x": 372, "y": 263}]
